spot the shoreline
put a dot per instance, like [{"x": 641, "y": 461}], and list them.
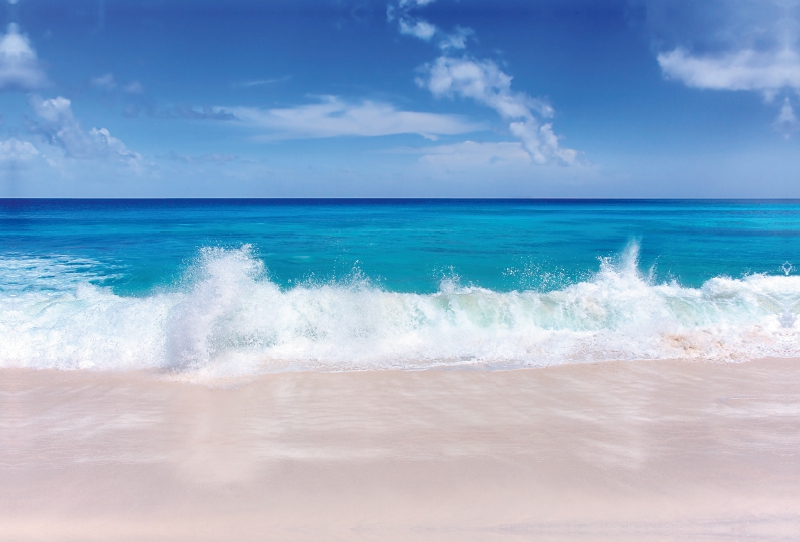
[{"x": 633, "y": 450}]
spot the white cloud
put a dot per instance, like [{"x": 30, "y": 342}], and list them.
[
  {"x": 456, "y": 40},
  {"x": 105, "y": 82},
  {"x": 415, "y": 3},
  {"x": 14, "y": 150},
  {"x": 19, "y": 67},
  {"x": 740, "y": 70},
  {"x": 56, "y": 110},
  {"x": 260, "y": 82},
  {"x": 741, "y": 45},
  {"x": 482, "y": 81},
  {"x": 541, "y": 142},
  {"x": 786, "y": 123},
  {"x": 108, "y": 82},
  {"x": 59, "y": 126},
  {"x": 485, "y": 83},
  {"x": 419, "y": 29},
  {"x": 410, "y": 25},
  {"x": 334, "y": 117}
]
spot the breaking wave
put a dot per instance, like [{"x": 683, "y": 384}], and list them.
[{"x": 227, "y": 318}]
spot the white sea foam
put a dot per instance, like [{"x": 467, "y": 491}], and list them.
[{"x": 228, "y": 319}]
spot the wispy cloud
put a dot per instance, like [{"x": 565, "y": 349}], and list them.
[
  {"x": 484, "y": 82},
  {"x": 333, "y": 117},
  {"x": 260, "y": 82},
  {"x": 193, "y": 113},
  {"x": 456, "y": 39},
  {"x": 108, "y": 83},
  {"x": 411, "y": 25},
  {"x": 786, "y": 123},
  {"x": 404, "y": 3},
  {"x": 105, "y": 82},
  {"x": 146, "y": 108},
  {"x": 740, "y": 70},
  {"x": 19, "y": 67}
]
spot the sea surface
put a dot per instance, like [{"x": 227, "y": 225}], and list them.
[{"x": 232, "y": 287}]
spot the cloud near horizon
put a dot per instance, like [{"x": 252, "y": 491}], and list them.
[
  {"x": 334, "y": 117},
  {"x": 57, "y": 124},
  {"x": 14, "y": 150}
]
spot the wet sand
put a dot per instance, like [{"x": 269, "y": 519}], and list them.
[{"x": 662, "y": 450}]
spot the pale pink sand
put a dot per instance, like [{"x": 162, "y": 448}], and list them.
[{"x": 611, "y": 451}]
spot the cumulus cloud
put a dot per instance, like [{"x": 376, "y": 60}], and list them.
[
  {"x": 334, "y": 117},
  {"x": 484, "y": 82},
  {"x": 19, "y": 66},
  {"x": 57, "y": 124},
  {"x": 14, "y": 150}
]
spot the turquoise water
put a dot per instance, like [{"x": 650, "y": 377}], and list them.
[
  {"x": 232, "y": 285},
  {"x": 409, "y": 246}
]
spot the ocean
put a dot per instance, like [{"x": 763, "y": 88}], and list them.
[{"x": 236, "y": 287}]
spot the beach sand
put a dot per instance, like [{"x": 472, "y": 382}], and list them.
[{"x": 645, "y": 450}]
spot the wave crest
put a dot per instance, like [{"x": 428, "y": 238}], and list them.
[{"x": 227, "y": 318}]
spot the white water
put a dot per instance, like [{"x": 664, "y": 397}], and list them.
[{"x": 228, "y": 319}]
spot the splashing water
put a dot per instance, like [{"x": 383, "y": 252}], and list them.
[{"x": 226, "y": 318}]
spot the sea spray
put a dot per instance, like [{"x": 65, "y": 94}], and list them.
[{"x": 225, "y": 317}]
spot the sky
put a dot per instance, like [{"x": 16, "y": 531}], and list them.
[{"x": 405, "y": 98}]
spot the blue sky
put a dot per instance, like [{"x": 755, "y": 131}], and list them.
[{"x": 408, "y": 98}]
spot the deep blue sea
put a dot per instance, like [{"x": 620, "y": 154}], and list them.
[{"x": 241, "y": 286}]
